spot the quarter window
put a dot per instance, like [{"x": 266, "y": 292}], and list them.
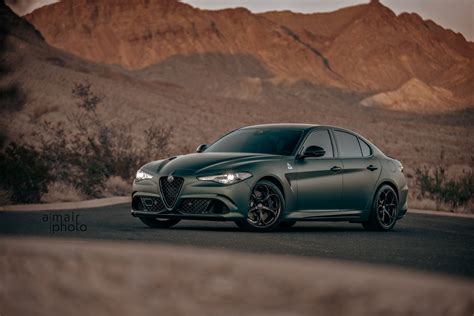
[
  {"x": 348, "y": 145},
  {"x": 366, "y": 151},
  {"x": 322, "y": 139}
]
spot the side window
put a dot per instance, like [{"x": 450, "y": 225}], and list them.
[
  {"x": 348, "y": 145},
  {"x": 322, "y": 139},
  {"x": 366, "y": 151}
]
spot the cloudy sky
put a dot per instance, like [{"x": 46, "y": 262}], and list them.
[{"x": 457, "y": 15}]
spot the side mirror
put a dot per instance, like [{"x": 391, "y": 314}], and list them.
[
  {"x": 313, "y": 151},
  {"x": 201, "y": 148}
]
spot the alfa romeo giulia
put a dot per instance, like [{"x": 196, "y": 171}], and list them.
[{"x": 268, "y": 176}]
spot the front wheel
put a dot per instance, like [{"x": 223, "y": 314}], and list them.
[
  {"x": 159, "y": 223},
  {"x": 384, "y": 213},
  {"x": 266, "y": 206}
]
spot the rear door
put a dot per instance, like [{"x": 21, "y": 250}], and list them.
[
  {"x": 319, "y": 179},
  {"x": 361, "y": 170}
]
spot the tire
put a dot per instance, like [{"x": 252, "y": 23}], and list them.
[
  {"x": 266, "y": 207},
  {"x": 287, "y": 224},
  {"x": 384, "y": 213},
  {"x": 159, "y": 223}
]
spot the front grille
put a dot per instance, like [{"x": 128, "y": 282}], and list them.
[
  {"x": 170, "y": 189},
  {"x": 187, "y": 206},
  {"x": 152, "y": 204},
  {"x": 194, "y": 206},
  {"x": 201, "y": 206}
]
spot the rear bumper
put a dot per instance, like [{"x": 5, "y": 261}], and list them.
[{"x": 402, "y": 213}]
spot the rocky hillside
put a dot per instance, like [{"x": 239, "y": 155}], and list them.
[
  {"x": 414, "y": 93},
  {"x": 365, "y": 48},
  {"x": 375, "y": 49},
  {"x": 203, "y": 96},
  {"x": 139, "y": 33}
]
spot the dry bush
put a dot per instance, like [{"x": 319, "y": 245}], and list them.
[
  {"x": 83, "y": 156},
  {"x": 23, "y": 172},
  {"x": 88, "y": 100},
  {"x": 448, "y": 193},
  {"x": 424, "y": 203},
  {"x": 86, "y": 150},
  {"x": 420, "y": 203},
  {"x": 117, "y": 186},
  {"x": 62, "y": 192}
]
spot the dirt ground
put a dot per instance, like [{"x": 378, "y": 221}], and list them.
[{"x": 45, "y": 277}]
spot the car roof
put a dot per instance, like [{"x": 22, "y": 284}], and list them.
[
  {"x": 306, "y": 127},
  {"x": 294, "y": 126}
]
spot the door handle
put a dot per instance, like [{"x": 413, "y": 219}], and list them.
[
  {"x": 372, "y": 168},
  {"x": 336, "y": 169}
]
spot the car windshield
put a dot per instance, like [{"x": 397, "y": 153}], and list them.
[{"x": 255, "y": 140}]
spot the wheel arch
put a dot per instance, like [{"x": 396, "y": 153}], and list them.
[
  {"x": 276, "y": 182},
  {"x": 389, "y": 183}
]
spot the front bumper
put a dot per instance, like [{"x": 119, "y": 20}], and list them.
[{"x": 226, "y": 202}]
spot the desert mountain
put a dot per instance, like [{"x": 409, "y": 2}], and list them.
[
  {"x": 139, "y": 33},
  {"x": 183, "y": 101},
  {"x": 365, "y": 48},
  {"x": 371, "y": 46},
  {"x": 414, "y": 93}
]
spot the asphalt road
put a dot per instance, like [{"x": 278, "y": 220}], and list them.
[{"x": 423, "y": 242}]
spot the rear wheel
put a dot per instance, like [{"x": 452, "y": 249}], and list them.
[
  {"x": 159, "y": 223},
  {"x": 384, "y": 213},
  {"x": 265, "y": 208}
]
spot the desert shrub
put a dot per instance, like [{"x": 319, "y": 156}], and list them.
[
  {"x": 81, "y": 156},
  {"x": 86, "y": 149},
  {"x": 436, "y": 185},
  {"x": 62, "y": 192},
  {"x": 88, "y": 100},
  {"x": 23, "y": 173},
  {"x": 116, "y": 185}
]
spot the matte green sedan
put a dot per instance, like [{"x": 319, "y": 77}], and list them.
[{"x": 268, "y": 176}]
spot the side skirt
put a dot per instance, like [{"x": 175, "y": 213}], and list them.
[{"x": 324, "y": 215}]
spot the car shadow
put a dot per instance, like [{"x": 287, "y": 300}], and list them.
[{"x": 296, "y": 229}]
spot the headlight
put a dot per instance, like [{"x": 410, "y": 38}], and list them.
[
  {"x": 227, "y": 178},
  {"x": 142, "y": 175}
]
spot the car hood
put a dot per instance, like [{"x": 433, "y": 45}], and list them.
[{"x": 207, "y": 162}]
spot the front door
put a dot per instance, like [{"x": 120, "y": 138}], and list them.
[{"x": 319, "y": 180}]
